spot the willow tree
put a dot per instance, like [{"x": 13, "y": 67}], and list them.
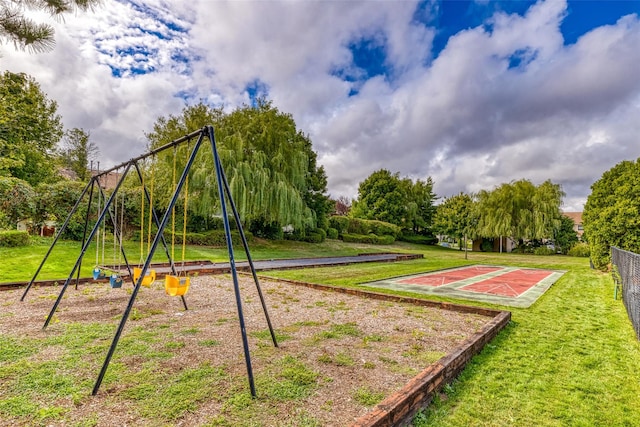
[
  {"x": 269, "y": 164},
  {"x": 520, "y": 210}
]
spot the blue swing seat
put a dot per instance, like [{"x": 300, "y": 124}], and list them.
[
  {"x": 98, "y": 274},
  {"x": 115, "y": 281}
]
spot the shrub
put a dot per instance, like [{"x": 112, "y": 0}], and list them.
[
  {"x": 359, "y": 226},
  {"x": 321, "y": 232},
  {"x": 55, "y": 201},
  {"x": 543, "y": 250},
  {"x": 266, "y": 230},
  {"x": 216, "y": 223},
  {"x": 580, "y": 249},
  {"x": 17, "y": 200},
  {"x": 359, "y": 238},
  {"x": 486, "y": 245},
  {"x": 368, "y": 238},
  {"x": 317, "y": 235},
  {"x": 387, "y": 239},
  {"x": 213, "y": 238},
  {"x": 14, "y": 238},
  {"x": 382, "y": 228},
  {"x": 340, "y": 223},
  {"x": 363, "y": 227},
  {"x": 314, "y": 237},
  {"x": 419, "y": 239},
  {"x": 332, "y": 233}
]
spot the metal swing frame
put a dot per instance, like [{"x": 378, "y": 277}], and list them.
[{"x": 223, "y": 189}]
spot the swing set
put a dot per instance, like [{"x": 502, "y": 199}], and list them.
[{"x": 176, "y": 284}]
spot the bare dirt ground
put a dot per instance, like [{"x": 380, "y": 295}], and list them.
[{"x": 355, "y": 346}]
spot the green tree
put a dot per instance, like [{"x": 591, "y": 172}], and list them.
[
  {"x": 55, "y": 201},
  {"x": 611, "y": 215},
  {"x": 77, "y": 151},
  {"x": 270, "y": 165},
  {"x": 381, "y": 196},
  {"x": 420, "y": 204},
  {"x": 30, "y": 128},
  {"x": 520, "y": 210},
  {"x": 566, "y": 236},
  {"x": 17, "y": 201},
  {"x": 28, "y": 34},
  {"x": 454, "y": 217}
]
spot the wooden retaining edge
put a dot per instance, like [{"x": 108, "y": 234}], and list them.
[{"x": 400, "y": 408}]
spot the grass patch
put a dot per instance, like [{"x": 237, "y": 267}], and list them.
[
  {"x": 265, "y": 334},
  {"x": 343, "y": 359},
  {"x": 173, "y": 396},
  {"x": 12, "y": 349},
  {"x": 367, "y": 397},
  {"x": 339, "y": 331},
  {"x": 285, "y": 379}
]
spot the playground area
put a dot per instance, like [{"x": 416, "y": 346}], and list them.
[
  {"x": 338, "y": 356},
  {"x": 510, "y": 286}
]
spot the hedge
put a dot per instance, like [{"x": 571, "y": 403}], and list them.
[
  {"x": 340, "y": 223},
  {"x": 419, "y": 239},
  {"x": 368, "y": 238},
  {"x": 543, "y": 250},
  {"x": 362, "y": 226},
  {"x": 314, "y": 237},
  {"x": 332, "y": 233},
  {"x": 382, "y": 228},
  {"x": 14, "y": 238},
  {"x": 213, "y": 238},
  {"x": 580, "y": 249},
  {"x": 317, "y": 235}
]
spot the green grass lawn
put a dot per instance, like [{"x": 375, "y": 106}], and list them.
[
  {"x": 19, "y": 264},
  {"x": 570, "y": 359}
]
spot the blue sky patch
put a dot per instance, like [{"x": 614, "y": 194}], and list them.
[
  {"x": 583, "y": 16},
  {"x": 369, "y": 54},
  {"x": 256, "y": 90},
  {"x": 522, "y": 57},
  {"x": 369, "y": 59},
  {"x": 449, "y": 17}
]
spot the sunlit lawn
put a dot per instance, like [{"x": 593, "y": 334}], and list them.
[
  {"x": 19, "y": 264},
  {"x": 571, "y": 359}
]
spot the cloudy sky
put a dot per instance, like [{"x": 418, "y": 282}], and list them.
[{"x": 471, "y": 93}]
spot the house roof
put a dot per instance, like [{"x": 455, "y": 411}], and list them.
[{"x": 575, "y": 216}]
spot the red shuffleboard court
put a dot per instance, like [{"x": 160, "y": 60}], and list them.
[
  {"x": 511, "y": 284},
  {"x": 445, "y": 277}
]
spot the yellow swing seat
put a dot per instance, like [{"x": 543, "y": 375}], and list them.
[
  {"x": 148, "y": 278},
  {"x": 176, "y": 286}
]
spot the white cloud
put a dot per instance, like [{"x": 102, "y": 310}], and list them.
[{"x": 466, "y": 118}]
